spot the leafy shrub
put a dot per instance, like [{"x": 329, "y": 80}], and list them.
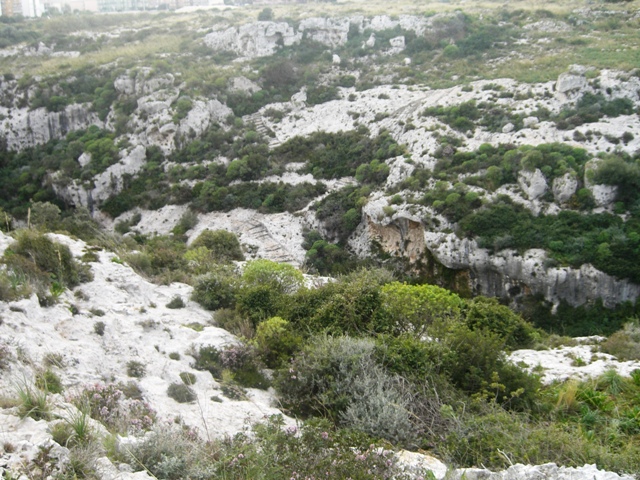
[
  {"x": 176, "y": 302},
  {"x": 98, "y": 328},
  {"x": 341, "y": 211},
  {"x": 268, "y": 451},
  {"x": 487, "y": 314},
  {"x": 136, "y": 369},
  {"x": 188, "y": 378},
  {"x": 281, "y": 277},
  {"x": 181, "y": 393},
  {"x": 625, "y": 343},
  {"x": 49, "y": 258},
  {"x": 339, "y": 378},
  {"x": 412, "y": 308},
  {"x": 208, "y": 358},
  {"x": 476, "y": 363},
  {"x": 47, "y": 380},
  {"x": 217, "y": 289},
  {"x": 275, "y": 341},
  {"x": 223, "y": 245}
]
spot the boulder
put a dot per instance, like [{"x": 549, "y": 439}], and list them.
[
  {"x": 533, "y": 184},
  {"x": 564, "y": 187}
]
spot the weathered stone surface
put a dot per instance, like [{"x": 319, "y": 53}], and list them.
[
  {"x": 538, "y": 472},
  {"x": 26, "y": 128},
  {"x": 564, "y": 187},
  {"x": 570, "y": 82},
  {"x": 253, "y": 40},
  {"x": 533, "y": 184}
]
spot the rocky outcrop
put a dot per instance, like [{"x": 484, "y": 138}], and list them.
[
  {"x": 142, "y": 82},
  {"x": 258, "y": 39},
  {"x": 536, "y": 472},
  {"x": 105, "y": 184},
  {"x": 504, "y": 274},
  {"x": 564, "y": 187},
  {"x": 262, "y": 39},
  {"x": 509, "y": 274},
  {"x": 331, "y": 32},
  {"x": 533, "y": 184},
  {"x": 24, "y": 128}
]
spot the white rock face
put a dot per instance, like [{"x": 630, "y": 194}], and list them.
[
  {"x": 136, "y": 321},
  {"x": 142, "y": 82},
  {"x": 559, "y": 364},
  {"x": 532, "y": 183},
  {"x": 243, "y": 84},
  {"x": 507, "y": 273},
  {"x": 24, "y": 128},
  {"x": 258, "y": 39},
  {"x": 536, "y": 472},
  {"x": 332, "y": 32},
  {"x": 603, "y": 195},
  {"x": 564, "y": 187},
  {"x": 201, "y": 116},
  {"x": 397, "y": 42},
  {"x": 570, "y": 82},
  {"x": 107, "y": 183}
]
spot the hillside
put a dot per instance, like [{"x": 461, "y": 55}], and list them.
[{"x": 458, "y": 182}]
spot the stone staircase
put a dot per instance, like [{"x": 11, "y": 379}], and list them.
[
  {"x": 261, "y": 128},
  {"x": 258, "y": 230}
]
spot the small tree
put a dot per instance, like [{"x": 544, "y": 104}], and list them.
[
  {"x": 265, "y": 15},
  {"x": 223, "y": 245}
]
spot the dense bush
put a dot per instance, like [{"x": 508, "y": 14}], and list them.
[
  {"x": 238, "y": 362},
  {"x": 591, "y": 108},
  {"x": 339, "y": 378},
  {"x": 487, "y": 314},
  {"x": 270, "y": 451},
  {"x": 222, "y": 245},
  {"x": 216, "y": 289},
  {"x": 336, "y": 155},
  {"x": 413, "y": 308},
  {"x": 276, "y": 341},
  {"x": 43, "y": 260}
]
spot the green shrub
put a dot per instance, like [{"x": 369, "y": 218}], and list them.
[
  {"x": 223, "y": 245},
  {"x": 208, "y": 358},
  {"x": 237, "y": 363},
  {"x": 176, "y": 302},
  {"x": 217, "y": 289},
  {"x": 625, "y": 343},
  {"x": 339, "y": 378},
  {"x": 258, "y": 302},
  {"x": 48, "y": 381},
  {"x": 48, "y": 258},
  {"x": 98, "y": 328},
  {"x": 484, "y": 313},
  {"x": 136, "y": 369},
  {"x": 281, "y": 277},
  {"x": 412, "y": 308},
  {"x": 269, "y": 451},
  {"x": 476, "y": 364},
  {"x": 276, "y": 341},
  {"x": 181, "y": 393},
  {"x": 188, "y": 378}
]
